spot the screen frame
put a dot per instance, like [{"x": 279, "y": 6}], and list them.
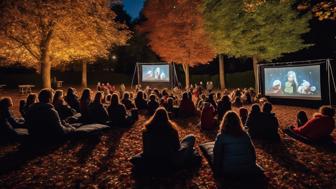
[{"x": 262, "y": 68}]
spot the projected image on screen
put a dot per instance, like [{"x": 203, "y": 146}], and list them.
[
  {"x": 296, "y": 82},
  {"x": 155, "y": 73}
]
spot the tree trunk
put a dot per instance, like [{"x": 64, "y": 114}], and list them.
[
  {"x": 256, "y": 73},
  {"x": 221, "y": 72},
  {"x": 84, "y": 74},
  {"x": 187, "y": 75},
  {"x": 46, "y": 72}
]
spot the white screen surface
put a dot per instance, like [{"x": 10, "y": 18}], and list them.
[
  {"x": 301, "y": 82},
  {"x": 155, "y": 73}
]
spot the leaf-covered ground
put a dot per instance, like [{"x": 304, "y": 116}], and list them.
[{"x": 103, "y": 161}]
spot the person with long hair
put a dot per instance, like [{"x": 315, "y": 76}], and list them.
[
  {"x": 140, "y": 102},
  {"x": 152, "y": 104},
  {"x": 71, "y": 99},
  {"x": 162, "y": 148},
  {"x": 85, "y": 101},
  {"x": 117, "y": 113},
  {"x": 31, "y": 99},
  {"x": 127, "y": 102},
  {"x": 7, "y": 121},
  {"x": 224, "y": 105},
  {"x": 233, "y": 152},
  {"x": 187, "y": 107},
  {"x": 97, "y": 111},
  {"x": 208, "y": 120},
  {"x": 63, "y": 109}
]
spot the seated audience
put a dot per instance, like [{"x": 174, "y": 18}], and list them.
[
  {"x": 319, "y": 127},
  {"x": 127, "y": 102},
  {"x": 85, "y": 101},
  {"x": 117, "y": 113},
  {"x": 63, "y": 109},
  {"x": 31, "y": 99},
  {"x": 96, "y": 110},
  {"x": 263, "y": 125},
  {"x": 237, "y": 102},
  {"x": 152, "y": 104},
  {"x": 212, "y": 101},
  {"x": 233, "y": 152},
  {"x": 43, "y": 121},
  {"x": 162, "y": 149},
  {"x": 140, "y": 102},
  {"x": 208, "y": 120},
  {"x": 224, "y": 105},
  {"x": 201, "y": 101},
  {"x": 7, "y": 121},
  {"x": 301, "y": 118},
  {"x": 243, "y": 114},
  {"x": 187, "y": 107},
  {"x": 72, "y": 99}
]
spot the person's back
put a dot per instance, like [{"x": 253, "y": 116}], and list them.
[
  {"x": 84, "y": 105},
  {"x": 72, "y": 100},
  {"x": 152, "y": 105},
  {"x": 187, "y": 107},
  {"x": 234, "y": 152},
  {"x": 117, "y": 114},
  {"x": 224, "y": 105},
  {"x": 268, "y": 127},
  {"x": 208, "y": 121},
  {"x": 97, "y": 111},
  {"x": 237, "y": 153}
]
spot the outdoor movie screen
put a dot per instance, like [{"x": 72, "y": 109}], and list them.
[
  {"x": 155, "y": 73},
  {"x": 301, "y": 82}
]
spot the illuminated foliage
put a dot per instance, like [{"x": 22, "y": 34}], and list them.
[
  {"x": 176, "y": 33},
  {"x": 43, "y": 34}
]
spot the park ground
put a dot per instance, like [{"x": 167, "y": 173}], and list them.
[{"x": 103, "y": 161}]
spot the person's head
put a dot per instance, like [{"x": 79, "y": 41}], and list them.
[
  {"x": 302, "y": 115},
  {"x": 327, "y": 111},
  {"x": 291, "y": 77},
  {"x": 126, "y": 96},
  {"x": 152, "y": 97},
  {"x": 185, "y": 96},
  {"x": 267, "y": 107},
  {"x": 140, "y": 95},
  {"x": 6, "y": 102},
  {"x": 218, "y": 96},
  {"x": 98, "y": 97},
  {"x": 237, "y": 100},
  {"x": 71, "y": 91},
  {"x": 255, "y": 108},
  {"x": 226, "y": 99},
  {"x": 159, "y": 120},
  {"x": 115, "y": 99},
  {"x": 31, "y": 99},
  {"x": 231, "y": 124},
  {"x": 108, "y": 98},
  {"x": 45, "y": 96},
  {"x": 58, "y": 96},
  {"x": 86, "y": 95},
  {"x": 170, "y": 101}
]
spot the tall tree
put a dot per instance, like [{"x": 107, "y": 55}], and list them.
[
  {"x": 176, "y": 32},
  {"x": 43, "y": 34},
  {"x": 266, "y": 32}
]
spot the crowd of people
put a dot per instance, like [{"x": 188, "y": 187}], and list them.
[{"x": 52, "y": 114}]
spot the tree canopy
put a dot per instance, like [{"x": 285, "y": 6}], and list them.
[
  {"x": 269, "y": 31},
  {"x": 176, "y": 32},
  {"x": 42, "y": 34}
]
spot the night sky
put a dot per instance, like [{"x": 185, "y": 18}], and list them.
[{"x": 133, "y": 7}]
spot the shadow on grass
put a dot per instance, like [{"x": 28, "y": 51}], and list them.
[{"x": 25, "y": 153}]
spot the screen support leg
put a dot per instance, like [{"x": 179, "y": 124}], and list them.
[
  {"x": 135, "y": 70},
  {"x": 330, "y": 79}
]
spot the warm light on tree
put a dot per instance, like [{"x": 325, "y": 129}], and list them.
[
  {"x": 176, "y": 33},
  {"x": 43, "y": 34}
]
